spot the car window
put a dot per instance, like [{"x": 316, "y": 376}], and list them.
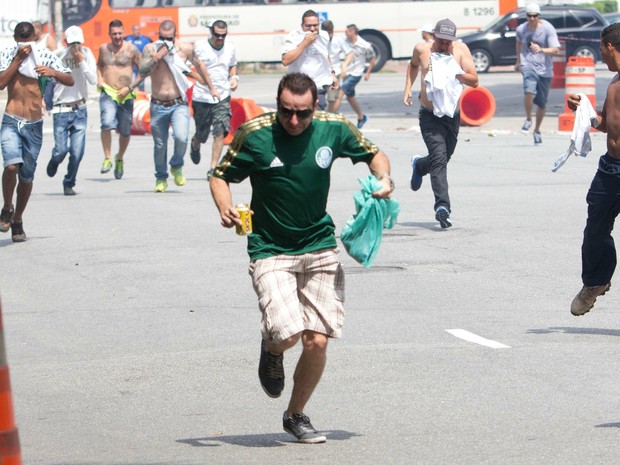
[
  {"x": 555, "y": 17},
  {"x": 582, "y": 18}
]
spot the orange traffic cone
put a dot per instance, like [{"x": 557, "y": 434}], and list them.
[{"x": 10, "y": 453}]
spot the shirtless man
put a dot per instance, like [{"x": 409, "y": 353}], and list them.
[
  {"x": 114, "y": 80},
  {"x": 598, "y": 253},
  {"x": 439, "y": 124},
  {"x": 43, "y": 39},
  {"x": 23, "y": 70},
  {"x": 164, "y": 61}
]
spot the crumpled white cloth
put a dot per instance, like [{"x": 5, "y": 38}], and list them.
[
  {"x": 28, "y": 65},
  {"x": 442, "y": 86},
  {"x": 179, "y": 70},
  {"x": 580, "y": 141}
]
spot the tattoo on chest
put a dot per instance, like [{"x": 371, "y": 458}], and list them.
[{"x": 120, "y": 57}]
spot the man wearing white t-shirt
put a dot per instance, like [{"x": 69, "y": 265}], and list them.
[
  {"x": 306, "y": 51},
  {"x": 358, "y": 51},
  {"x": 69, "y": 107},
  {"x": 213, "y": 114}
]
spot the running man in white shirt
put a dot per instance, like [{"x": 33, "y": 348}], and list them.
[
  {"x": 358, "y": 51},
  {"x": 69, "y": 110},
  {"x": 306, "y": 51},
  {"x": 213, "y": 114}
]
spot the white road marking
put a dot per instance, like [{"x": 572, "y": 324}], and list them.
[{"x": 471, "y": 337}]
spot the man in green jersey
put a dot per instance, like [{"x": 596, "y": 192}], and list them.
[{"x": 295, "y": 271}]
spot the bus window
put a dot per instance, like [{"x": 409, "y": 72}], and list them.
[{"x": 76, "y": 12}]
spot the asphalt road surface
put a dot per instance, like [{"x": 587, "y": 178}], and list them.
[{"x": 132, "y": 329}]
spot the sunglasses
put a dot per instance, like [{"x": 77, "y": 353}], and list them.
[
  {"x": 166, "y": 38},
  {"x": 301, "y": 114},
  {"x": 219, "y": 36},
  {"x": 533, "y": 16}
]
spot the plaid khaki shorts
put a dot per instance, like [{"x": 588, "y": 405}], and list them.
[{"x": 299, "y": 292}]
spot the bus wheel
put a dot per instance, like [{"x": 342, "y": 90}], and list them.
[{"x": 381, "y": 48}]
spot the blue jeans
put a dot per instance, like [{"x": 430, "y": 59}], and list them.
[
  {"x": 162, "y": 118},
  {"x": 115, "y": 115},
  {"x": 69, "y": 136},
  {"x": 21, "y": 143}
]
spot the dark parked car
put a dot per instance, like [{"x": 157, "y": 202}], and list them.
[
  {"x": 580, "y": 27},
  {"x": 612, "y": 17}
]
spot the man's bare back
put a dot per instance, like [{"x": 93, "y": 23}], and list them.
[{"x": 115, "y": 67}]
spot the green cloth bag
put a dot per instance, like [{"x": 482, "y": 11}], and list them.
[{"x": 361, "y": 235}]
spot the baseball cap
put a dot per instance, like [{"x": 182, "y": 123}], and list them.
[
  {"x": 74, "y": 34},
  {"x": 427, "y": 27},
  {"x": 445, "y": 29},
  {"x": 532, "y": 9}
]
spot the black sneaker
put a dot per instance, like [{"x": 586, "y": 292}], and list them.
[
  {"x": 271, "y": 372},
  {"x": 443, "y": 216},
  {"x": 299, "y": 426},
  {"x": 68, "y": 190},
  {"x": 194, "y": 154},
  {"x": 52, "y": 168},
  {"x": 17, "y": 231},
  {"x": 6, "y": 216}
]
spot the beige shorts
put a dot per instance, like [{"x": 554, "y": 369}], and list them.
[
  {"x": 332, "y": 95},
  {"x": 299, "y": 292}
]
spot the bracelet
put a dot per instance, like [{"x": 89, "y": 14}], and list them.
[{"x": 131, "y": 88}]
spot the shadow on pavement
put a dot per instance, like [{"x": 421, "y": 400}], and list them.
[
  {"x": 570, "y": 330},
  {"x": 261, "y": 440}
]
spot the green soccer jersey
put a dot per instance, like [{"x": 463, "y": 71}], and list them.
[{"x": 290, "y": 178}]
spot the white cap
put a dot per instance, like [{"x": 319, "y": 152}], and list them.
[
  {"x": 532, "y": 9},
  {"x": 74, "y": 34},
  {"x": 427, "y": 27}
]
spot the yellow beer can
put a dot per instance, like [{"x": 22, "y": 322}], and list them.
[{"x": 246, "y": 219}]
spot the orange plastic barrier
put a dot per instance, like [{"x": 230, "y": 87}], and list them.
[
  {"x": 558, "y": 80},
  {"x": 580, "y": 79},
  {"x": 477, "y": 106},
  {"x": 10, "y": 451},
  {"x": 242, "y": 110},
  {"x": 141, "y": 118}
]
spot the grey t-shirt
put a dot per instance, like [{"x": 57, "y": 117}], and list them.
[{"x": 546, "y": 37}]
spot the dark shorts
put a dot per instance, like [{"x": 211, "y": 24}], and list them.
[{"x": 211, "y": 117}]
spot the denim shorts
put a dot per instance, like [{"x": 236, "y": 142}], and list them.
[
  {"x": 115, "y": 115},
  {"x": 21, "y": 141},
  {"x": 537, "y": 85},
  {"x": 348, "y": 85}
]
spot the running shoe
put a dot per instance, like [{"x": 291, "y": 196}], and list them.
[
  {"x": 6, "y": 216},
  {"x": 526, "y": 126},
  {"x": 17, "y": 231},
  {"x": 106, "y": 166},
  {"x": 299, "y": 426},
  {"x": 362, "y": 122},
  {"x": 179, "y": 179},
  {"x": 118, "y": 168},
  {"x": 271, "y": 372},
  {"x": 416, "y": 177},
  {"x": 161, "y": 185},
  {"x": 443, "y": 216}
]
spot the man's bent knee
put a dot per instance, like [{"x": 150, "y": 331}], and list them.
[{"x": 313, "y": 341}]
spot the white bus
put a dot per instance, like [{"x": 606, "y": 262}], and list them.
[{"x": 259, "y": 27}]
